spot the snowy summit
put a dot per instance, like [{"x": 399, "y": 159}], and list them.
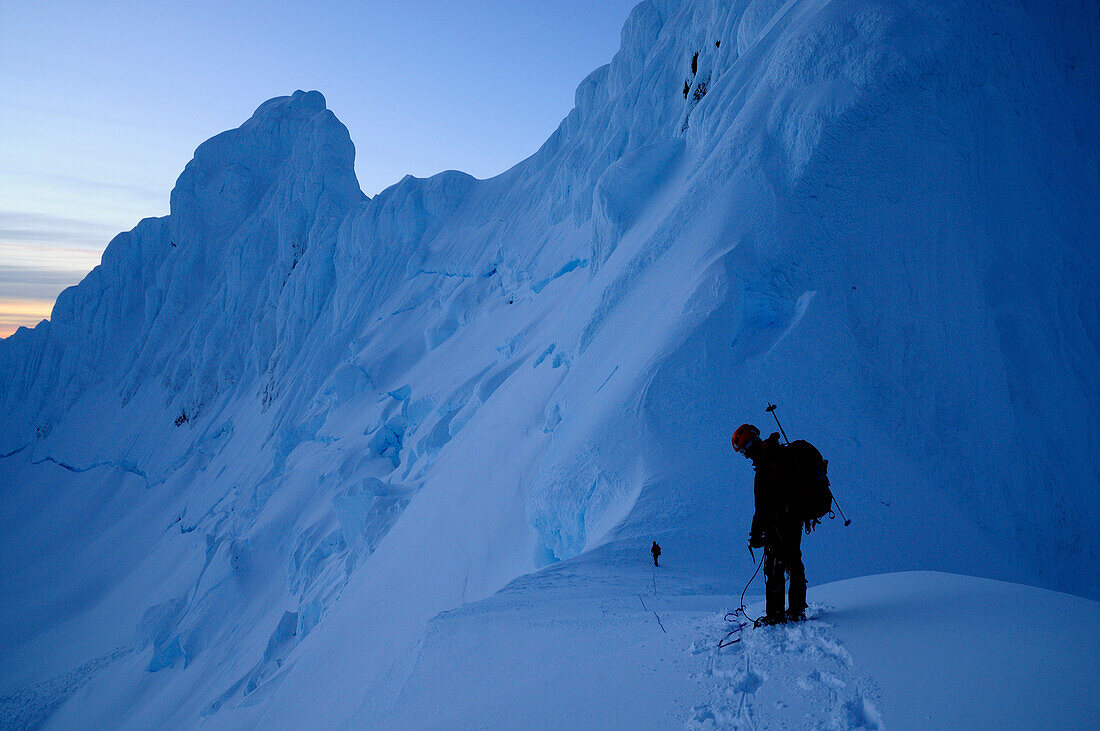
[{"x": 291, "y": 457}]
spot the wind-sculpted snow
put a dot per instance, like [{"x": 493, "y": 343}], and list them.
[
  {"x": 273, "y": 434},
  {"x": 202, "y": 300}
]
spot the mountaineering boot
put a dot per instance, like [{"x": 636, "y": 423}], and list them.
[
  {"x": 796, "y": 615},
  {"x": 769, "y": 620}
]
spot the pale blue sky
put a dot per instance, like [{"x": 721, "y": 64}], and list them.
[{"x": 103, "y": 103}]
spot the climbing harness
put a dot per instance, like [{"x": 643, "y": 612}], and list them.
[{"x": 735, "y": 615}]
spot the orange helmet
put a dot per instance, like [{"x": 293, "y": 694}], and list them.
[{"x": 744, "y": 434}]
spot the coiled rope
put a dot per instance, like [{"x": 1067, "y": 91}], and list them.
[{"x": 729, "y": 639}]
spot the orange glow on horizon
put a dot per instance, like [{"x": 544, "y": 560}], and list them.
[{"x": 16, "y": 313}]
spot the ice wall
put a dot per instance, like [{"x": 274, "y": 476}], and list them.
[{"x": 280, "y": 429}]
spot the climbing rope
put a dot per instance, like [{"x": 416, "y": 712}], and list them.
[
  {"x": 729, "y": 639},
  {"x": 659, "y": 622},
  {"x": 644, "y": 607}
]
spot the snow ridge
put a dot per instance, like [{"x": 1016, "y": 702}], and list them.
[{"x": 320, "y": 420}]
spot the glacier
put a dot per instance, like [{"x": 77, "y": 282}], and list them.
[{"x": 260, "y": 455}]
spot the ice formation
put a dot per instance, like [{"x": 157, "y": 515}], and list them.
[{"x": 266, "y": 441}]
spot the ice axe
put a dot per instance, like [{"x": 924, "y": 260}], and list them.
[{"x": 771, "y": 410}]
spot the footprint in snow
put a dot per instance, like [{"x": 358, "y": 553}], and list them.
[{"x": 796, "y": 675}]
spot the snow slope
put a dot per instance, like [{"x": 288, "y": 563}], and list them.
[
  {"x": 274, "y": 434},
  {"x": 910, "y": 650}
]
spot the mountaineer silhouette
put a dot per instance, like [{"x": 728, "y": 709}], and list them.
[{"x": 791, "y": 492}]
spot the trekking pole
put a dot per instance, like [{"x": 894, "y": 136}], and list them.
[
  {"x": 846, "y": 521},
  {"x": 771, "y": 410}
]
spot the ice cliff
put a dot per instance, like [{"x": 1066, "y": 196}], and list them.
[{"x": 286, "y": 425}]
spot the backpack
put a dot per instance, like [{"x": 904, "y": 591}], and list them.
[{"x": 807, "y": 480}]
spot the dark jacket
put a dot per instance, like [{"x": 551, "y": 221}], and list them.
[{"x": 770, "y": 490}]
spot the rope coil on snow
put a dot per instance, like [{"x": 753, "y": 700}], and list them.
[{"x": 733, "y": 616}]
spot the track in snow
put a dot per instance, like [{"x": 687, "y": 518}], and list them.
[{"x": 796, "y": 675}]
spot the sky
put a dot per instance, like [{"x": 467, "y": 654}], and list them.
[{"x": 103, "y": 104}]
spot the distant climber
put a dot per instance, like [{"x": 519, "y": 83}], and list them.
[
  {"x": 656, "y": 551},
  {"x": 781, "y": 489}
]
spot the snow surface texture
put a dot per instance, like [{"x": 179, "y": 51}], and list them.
[
  {"x": 274, "y": 434},
  {"x": 909, "y": 650}
]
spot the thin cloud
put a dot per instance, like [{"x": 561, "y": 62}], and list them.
[
  {"x": 139, "y": 191},
  {"x": 21, "y": 227},
  {"x": 87, "y": 185},
  {"x": 20, "y": 308},
  {"x": 29, "y": 235},
  {"x": 47, "y": 258},
  {"x": 25, "y": 219},
  {"x": 25, "y": 283},
  {"x": 31, "y": 277},
  {"x": 116, "y": 121}
]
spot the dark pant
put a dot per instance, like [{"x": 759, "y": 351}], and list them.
[{"x": 783, "y": 555}]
